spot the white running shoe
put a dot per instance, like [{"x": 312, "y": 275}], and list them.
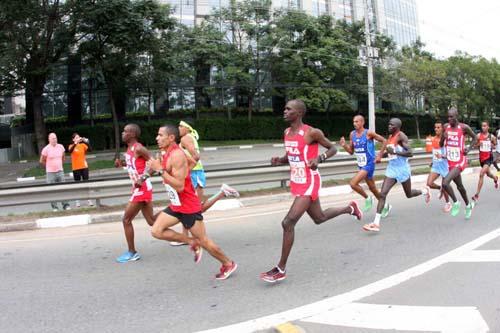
[
  {"x": 229, "y": 191},
  {"x": 173, "y": 243}
]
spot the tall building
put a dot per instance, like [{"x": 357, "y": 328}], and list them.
[{"x": 395, "y": 18}]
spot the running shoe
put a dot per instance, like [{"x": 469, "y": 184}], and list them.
[
  {"x": 455, "y": 208},
  {"x": 274, "y": 275},
  {"x": 128, "y": 256},
  {"x": 447, "y": 207},
  {"x": 368, "y": 204},
  {"x": 229, "y": 191},
  {"x": 355, "y": 210},
  {"x": 173, "y": 243},
  {"x": 371, "y": 227},
  {"x": 427, "y": 194},
  {"x": 495, "y": 180},
  {"x": 385, "y": 212},
  {"x": 468, "y": 210},
  {"x": 226, "y": 271},
  {"x": 198, "y": 252},
  {"x": 90, "y": 203}
]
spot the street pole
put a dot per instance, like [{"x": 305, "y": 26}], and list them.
[{"x": 369, "y": 65}]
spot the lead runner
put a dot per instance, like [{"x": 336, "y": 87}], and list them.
[{"x": 302, "y": 148}]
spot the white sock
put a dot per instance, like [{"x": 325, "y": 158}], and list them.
[
  {"x": 352, "y": 210},
  {"x": 377, "y": 219}
]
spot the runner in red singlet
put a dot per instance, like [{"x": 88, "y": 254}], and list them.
[
  {"x": 301, "y": 143},
  {"x": 486, "y": 142},
  {"x": 142, "y": 191},
  {"x": 185, "y": 206},
  {"x": 454, "y": 141}
]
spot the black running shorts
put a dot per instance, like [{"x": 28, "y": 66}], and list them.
[
  {"x": 187, "y": 220},
  {"x": 489, "y": 161}
]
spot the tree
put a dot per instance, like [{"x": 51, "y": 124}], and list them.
[
  {"x": 34, "y": 35},
  {"x": 115, "y": 35}
]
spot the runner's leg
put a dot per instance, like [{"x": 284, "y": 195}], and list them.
[
  {"x": 373, "y": 188},
  {"x": 130, "y": 213},
  {"x": 454, "y": 173},
  {"x": 354, "y": 183},
  {"x": 199, "y": 233},
  {"x": 461, "y": 188},
  {"x": 319, "y": 216},
  {"x": 408, "y": 190}
]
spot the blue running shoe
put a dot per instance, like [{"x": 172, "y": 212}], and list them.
[{"x": 128, "y": 256}]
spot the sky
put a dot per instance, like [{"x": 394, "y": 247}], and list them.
[{"x": 472, "y": 26}]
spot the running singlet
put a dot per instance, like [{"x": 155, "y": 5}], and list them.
[
  {"x": 186, "y": 202},
  {"x": 136, "y": 168},
  {"x": 455, "y": 146},
  {"x": 398, "y": 167},
  {"x": 439, "y": 164},
  {"x": 199, "y": 165},
  {"x": 303, "y": 180},
  {"x": 498, "y": 141},
  {"x": 364, "y": 149},
  {"x": 484, "y": 147}
]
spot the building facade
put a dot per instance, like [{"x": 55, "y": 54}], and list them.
[{"x": 395, "y": 18}]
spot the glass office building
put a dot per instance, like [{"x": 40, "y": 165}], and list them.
[{"x": 395, "y": 18}]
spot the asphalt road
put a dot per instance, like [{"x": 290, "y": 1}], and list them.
[{"x": 66, "y": 280}]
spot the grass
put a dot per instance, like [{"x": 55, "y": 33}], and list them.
[{"x": 39, "y": 171}]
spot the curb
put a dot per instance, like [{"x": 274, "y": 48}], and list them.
[{"x": 227, "y": 204}]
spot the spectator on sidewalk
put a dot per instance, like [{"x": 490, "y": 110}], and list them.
[
  {"x": 78, "y": 150},
  {"x": 52, "y": 157}
]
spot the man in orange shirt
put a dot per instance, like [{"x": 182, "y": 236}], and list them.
[{"x": 78, "y": 150}]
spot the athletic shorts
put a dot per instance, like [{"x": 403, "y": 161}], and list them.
[
  {"x": 440, "y": 168},
  {"x": 198, "y": 178},
  {"x": 141, "y": 195},
  {"x": 401, "y": 174},
  {"x": 187, "y": 220},
  {"x": 370, "y": 169},
  {"x": 488, "y": 162},
  {"x": 307, "y": 190},
  {"x": 81, "y": 174}
]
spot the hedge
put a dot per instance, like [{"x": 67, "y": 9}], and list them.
[{"x": 213, "y": 129}]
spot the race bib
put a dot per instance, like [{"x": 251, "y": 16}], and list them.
[
  {"x": 298, "y": 173},
  {"x": 392, "y": 156},
  {"x": 453, "y": 154},
  {"x": 361, "y": 159},
  {"x": 173, "y": 196},
  {"x": 435, "y": 153},
  {"x": 485, "y": 146}
]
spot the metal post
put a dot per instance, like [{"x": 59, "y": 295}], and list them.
[{"x": 369, "y": 65}]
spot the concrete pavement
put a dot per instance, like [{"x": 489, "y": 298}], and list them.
[{"x": 66, "y": 280}]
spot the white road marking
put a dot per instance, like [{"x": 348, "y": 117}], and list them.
[
  {"x": 331, "y": 303},
  {"x": 63, "y": 221},
  {"x": 246, "y": 147},
  {"x": 278, "y": 145},
  {"x": 480, "y": 256},
  {"x": 209, "y": 148},
  {"x": 56, "y": 237},
  {"x": 402, "y": 317}
]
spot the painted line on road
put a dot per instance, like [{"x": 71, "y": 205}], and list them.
[
  {"x": 246, "y": 147},
  {"x": 287, "y": 328},
  {"x": 63, "y": 221},
  {"x": 278, "y": 145},
  {"x": 480, "y": 256},
  {"x": 306, "y": 311},
  {"x": 55, "y": 238},
  {"x": 209, "y": 148},
  {"x": 405, "y": 318}
]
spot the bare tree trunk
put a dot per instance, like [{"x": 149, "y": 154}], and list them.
[
  {"x": 116, "y": 126},
  {"x": 417, "y": 124},
  {"x": 250, "y": 106},
  {"x": 39, "y": 124}
]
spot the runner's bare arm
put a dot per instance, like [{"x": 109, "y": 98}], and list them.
[
  {"x": 317, "y": 135},
  {"x": 188, "y": 144},
  {"x": 279, "y": 160},
  {"x": 470, "y": 133},
  {"x": 143, "y": 152},
  {"x": 178, "y": 171},
  {"x": 493, "y": 140},
  {"x": 403, "y": 141},
  {"x": 443, "y": 136},
  {"x": 374, "y": 136},
  {"x": 477, "y": 143},
  {"x": 347, "y": 147}
]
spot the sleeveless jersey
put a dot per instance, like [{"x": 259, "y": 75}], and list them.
[
  {"x": 498, "y": 141},
  {"x": 199, "y": 165},
  {"x": 398, "y": 167},
  {"x": 484, "y": 146},
  {"x": 364, "y": 149},
  {"x": 186, "y": 202},
  {"x": 439, "y": 165},
  {"x": 303, "y": 180},
  {"x": 136, "y": 167},
  {"x": 455, "y": 146}
]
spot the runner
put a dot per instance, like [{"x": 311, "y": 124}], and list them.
[
  {"x": 302, "y": 148},
  {"x": 189, "y": 143},
  {"x": 439, "y": 167},
  {"x": 78, "y": 150},
  {"x": 142, "y": 191},
  {"x": 185, "y": 206},
  {"x": 361, "y": 143},
  {"x": 454, "y": 142},
  {"x": 496, "y": 153},
  {"x": 398, "y": 170},
  {"x": 485, "y": 142}
]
